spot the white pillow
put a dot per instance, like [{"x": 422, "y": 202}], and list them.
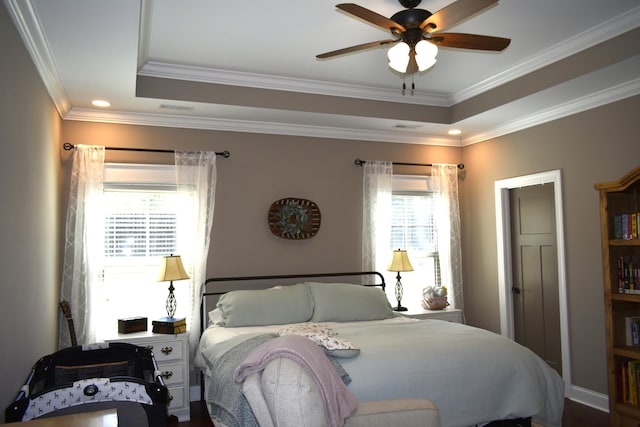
[{"x": 215, "y": 317}]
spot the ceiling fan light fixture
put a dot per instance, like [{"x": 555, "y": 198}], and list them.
[
  {"x": 417, "y": 29},
  {"x": 425, "y": 54},
  {"x": 399, "y": 57}
]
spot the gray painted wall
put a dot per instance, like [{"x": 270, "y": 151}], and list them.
[
  {"x": 594, "y": 146},
  {"x": 29, "y": 220}
]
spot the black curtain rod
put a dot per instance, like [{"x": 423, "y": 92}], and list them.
[
  {"x": 67, "y": 146},
  {"x": 362, "y": 162}
]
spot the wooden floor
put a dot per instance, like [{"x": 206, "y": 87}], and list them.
[{"x": 575, "y": 415}]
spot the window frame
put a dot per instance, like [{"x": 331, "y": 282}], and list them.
[
  {"x": 139, "y": 272},
  {"x": 418, "y": 186}
]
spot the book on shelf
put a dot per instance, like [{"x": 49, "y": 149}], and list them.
[
  {"x": 628, "y": 275},
  {"x": 167, "y": 329},
  {"x": 628, "y": 389},
  {"x": 632, "y": 329},
  {"x": 623, "y": 390},
  {"x": 626, "y": 226},
  {"x": 633, "y": 370}
]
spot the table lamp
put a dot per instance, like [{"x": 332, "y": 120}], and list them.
[
  {"x": 171, "y": 269},
  {"x": 399, "y": 263}
]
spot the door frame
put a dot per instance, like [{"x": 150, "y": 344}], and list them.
[{"x": 505, "y": 257}]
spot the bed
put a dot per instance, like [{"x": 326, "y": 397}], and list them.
[{"x": 474, "y": 376}]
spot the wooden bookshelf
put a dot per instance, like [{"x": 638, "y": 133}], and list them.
[{"x": 620, "y": 257}]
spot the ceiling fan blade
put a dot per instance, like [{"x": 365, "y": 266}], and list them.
[
  {"x": 371, "y": 16},
  {"x": 470, "y": 41},
  {"x": 454, "y": 13},
  {"x": 355, "y": 48}
]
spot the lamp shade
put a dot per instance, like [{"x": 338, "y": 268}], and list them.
[
  {"x": 400, "y": 261},
  {"x": 425, "y": 54},
  {"x": 399, "y": 57},
  {"x": 172, "y": 269}
]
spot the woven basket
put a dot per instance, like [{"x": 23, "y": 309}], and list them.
[{"x": 435, "y": 303}]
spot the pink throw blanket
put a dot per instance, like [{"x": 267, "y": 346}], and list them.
[{"x": 338, "y": 401}]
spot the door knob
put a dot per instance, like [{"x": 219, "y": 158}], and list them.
[{"x": 515, "y": 290}]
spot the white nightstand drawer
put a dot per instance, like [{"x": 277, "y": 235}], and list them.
[
  {"x": 171, "y": 373},
  {"x": 176, "y": 398},
  {"x": 166, "y": 350}
]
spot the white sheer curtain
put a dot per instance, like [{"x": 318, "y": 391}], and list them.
[
  {"x": 81, "y": 278},
  {"x": 196, "y": 172},
  {"x": 447, "y": 217},
  {"x": 376, "y": 214}
]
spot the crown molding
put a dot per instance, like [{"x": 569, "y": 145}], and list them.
[
  {"x": 207, "y": 123},
  {"x": 604, "y": 31},
  {"x": 584, "y": 103},
  {"x": 578, "y": 105},
  {"x": 263, "y": 81},
  {"x": 28, "y": 25}
]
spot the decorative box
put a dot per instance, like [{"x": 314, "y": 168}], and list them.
[{"x": 132, "y": 324}]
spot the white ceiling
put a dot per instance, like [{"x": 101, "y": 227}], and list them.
[{"x": 250, "y": 66}]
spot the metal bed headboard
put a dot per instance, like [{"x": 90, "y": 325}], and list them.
[{"x": 376, "y": 275}]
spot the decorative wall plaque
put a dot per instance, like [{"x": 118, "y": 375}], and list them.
[{"x": 293, "y": 218}]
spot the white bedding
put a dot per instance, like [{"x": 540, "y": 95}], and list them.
[{"x": 472, "y": 375}]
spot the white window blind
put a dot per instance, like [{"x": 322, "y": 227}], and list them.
[
  {"x": 413, "y": 229},
  {"x": 140, "y": 223}
]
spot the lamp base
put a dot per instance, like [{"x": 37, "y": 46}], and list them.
[{"x": 399, "y": 292}]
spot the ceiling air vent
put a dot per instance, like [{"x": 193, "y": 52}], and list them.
[
  {"x": 404, "y": 126},
  {"x": 176, "y": 107}
]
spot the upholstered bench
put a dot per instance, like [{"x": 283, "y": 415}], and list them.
[{"x": 284, "y": 395}]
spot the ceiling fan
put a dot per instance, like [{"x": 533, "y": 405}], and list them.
[{"x": 417, "y": 33}]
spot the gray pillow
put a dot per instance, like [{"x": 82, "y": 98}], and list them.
[
  {"x": 288, "y": 304},
  {"x": 344, "y": 302}
]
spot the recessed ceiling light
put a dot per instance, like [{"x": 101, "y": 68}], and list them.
[
  {"x": 454, "y": 132},
  {"x": 101, "y": 103}
]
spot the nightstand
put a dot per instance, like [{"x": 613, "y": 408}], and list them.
[
  {"x": 172, "y": 356},
  {"x": 448, "y": 314}
]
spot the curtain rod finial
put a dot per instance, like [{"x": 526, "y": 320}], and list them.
[
  {"x": 359, "y": 162},
  {"x": 67, "y": 146}
]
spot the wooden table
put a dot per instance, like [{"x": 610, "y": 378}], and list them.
[{"x": 106, "y": 418}]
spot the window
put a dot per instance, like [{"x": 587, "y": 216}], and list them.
[
  {"x": 413, "y": 228},
  {"x": 142, "y": 222}
]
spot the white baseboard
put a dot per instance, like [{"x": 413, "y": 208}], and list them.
[{"x": 590, "y": 398}]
